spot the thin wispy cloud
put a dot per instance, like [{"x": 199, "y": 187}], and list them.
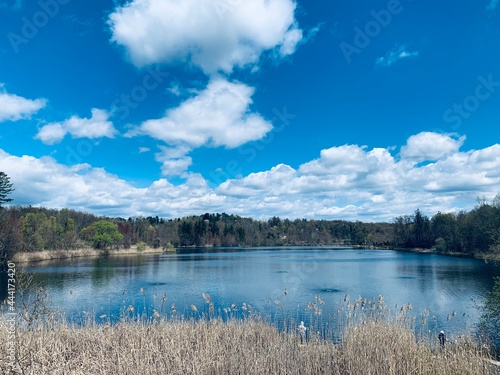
[
  {"x": 12, "y": 4},
  {"x": 398, "y": 53},
  {"x": 492, "y": 5}
]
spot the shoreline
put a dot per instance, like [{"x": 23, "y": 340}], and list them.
[
  {"x": 88, "y": 252},
  {"x": 84, "y": 252}
]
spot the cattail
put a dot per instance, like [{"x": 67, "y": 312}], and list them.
[
  {"x": 454, "y": 313},
  {"x": 102, "y": 316},
  {"x": 285, "y": 292},
  {"x": 206, "y": 297},
  {"x": 173, "y": 308},
  {"x": 130, "y": 309},
  {"x": 194, "y": 308},
  {"x": 155, "y": 314},
  {"x": 234, "y": 307},
  {"x": 164, "y": 297},
  {"x": 142, "y": 290}
]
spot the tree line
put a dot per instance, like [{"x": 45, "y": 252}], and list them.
[{"x": 30, "y": 229}]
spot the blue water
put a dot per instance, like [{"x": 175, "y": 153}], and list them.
[{"x": 105, "y": 288}]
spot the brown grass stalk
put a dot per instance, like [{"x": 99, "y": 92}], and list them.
[{"x": 249, "y": 346}]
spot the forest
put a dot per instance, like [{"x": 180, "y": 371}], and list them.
[{"x": 30, "y": 229}]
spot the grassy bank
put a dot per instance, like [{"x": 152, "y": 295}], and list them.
[
  {"x": 235, "y": 347},
  {"x": 37, "y": 256}
]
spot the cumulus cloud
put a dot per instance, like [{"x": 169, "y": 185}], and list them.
[
  {"x": 175, "y": 160},
  {"x": 349, "y": 182},
  {"x": 398, "y": 53},
  {"x": 97, "y": 126},
  {"x": 217, "y": 116},
  {"x": 14, "y": 108},
  {"x": 212, "y": 35},
  {"x": 428, "y": 146}
]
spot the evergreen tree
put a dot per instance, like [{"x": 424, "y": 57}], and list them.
[{"x": 5, "y": 188}]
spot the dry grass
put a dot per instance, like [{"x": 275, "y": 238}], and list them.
[
  {"x": 234, "y": 347},
  {"x": 38, "y": 256}
]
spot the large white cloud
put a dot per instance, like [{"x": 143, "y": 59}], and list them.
[
  {"x": 214, "y": 35},
  {"x": 217, "y": 116},
  {"x": 97, "y": 126},
  {"x": 345, "y": 182},
  {"x": 14, "y": 107},
  {"x": 427, "y": 146}
]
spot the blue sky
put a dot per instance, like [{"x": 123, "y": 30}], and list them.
[{"x": 359, "y": 110}]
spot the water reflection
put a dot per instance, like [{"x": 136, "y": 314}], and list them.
[{"x": 259, "y": 276}]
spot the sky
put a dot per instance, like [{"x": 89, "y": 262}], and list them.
[{"x": 326, "y": 109}]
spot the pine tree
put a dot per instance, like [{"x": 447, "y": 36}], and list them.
[{"x": 5, "y": 188}]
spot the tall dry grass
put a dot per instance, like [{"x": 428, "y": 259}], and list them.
[
  {"x": 83, "y": 252},
  {"x": 250, "y": 346}
]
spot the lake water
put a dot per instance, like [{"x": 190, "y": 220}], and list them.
[{"x": 259, "y": 277}]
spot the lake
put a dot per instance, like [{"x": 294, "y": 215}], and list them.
[{"x": 270, "y": 281}]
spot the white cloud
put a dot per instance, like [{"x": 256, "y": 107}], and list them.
[
  {"x": 427, "y": 146},
  {"x": 399, "y": 52},
  {"x": 174, "y": 159},
  {"x": 346, "y": 182},
  {"x": 95, "y": 127},
  {"x": 13, "y": 107},
  {"x": 217, "y": 116},
  {"x": 213, "y": 35},
  {"x": 290, "y": 41}
]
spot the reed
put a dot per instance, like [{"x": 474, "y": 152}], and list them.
[{"x": 373, "y": 340}]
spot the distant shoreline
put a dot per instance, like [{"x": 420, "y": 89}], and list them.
[
  {"x": 88, "y": 252},
  {"x": 84, "y": 252}
]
